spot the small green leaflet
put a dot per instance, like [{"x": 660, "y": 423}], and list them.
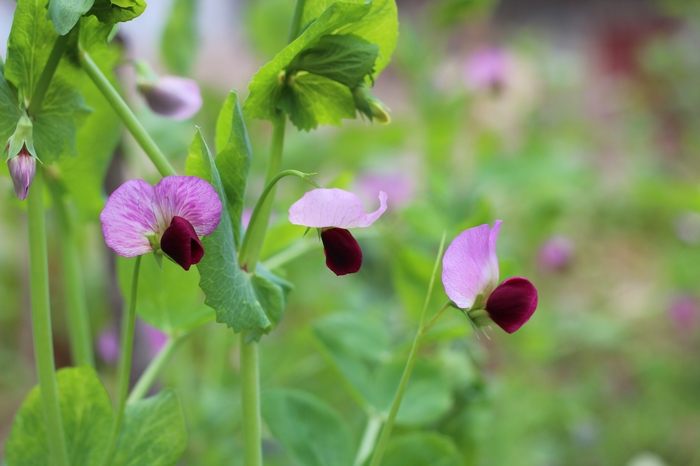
[
  {"x": 64, "y": 14},
  {"x": 117, "y": 11}
]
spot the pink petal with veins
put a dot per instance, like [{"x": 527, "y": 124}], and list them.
[
  {"x": 191, "y": 198},
  {"x": 326, "y": 208},
  {"x": 470, "y": 265}
]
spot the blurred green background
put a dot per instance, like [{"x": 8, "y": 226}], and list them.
[{"x": 576, "y": 123}]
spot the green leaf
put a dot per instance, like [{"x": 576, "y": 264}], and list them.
[
  {"x": 153, "y": 432},
  {"x": 64, "y": 14},
  {"x": 233, "y": 159},
  {"x": 168, "y": 299},
  {"x": 228, "y": 289},
  {"x": 313, "y": 433},
  {"x": 87, "y": 418},
  {"x": 10, "y": 112},
  {"x": 117, "y": 11},
  {"x": 346, "y": 59},
  {"x": 420, "y": 449},
  {"x": 179, "y": 43}
]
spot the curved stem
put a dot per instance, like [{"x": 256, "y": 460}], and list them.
[
  {"x": 248, "y": 252},
  {"x": 126, "y": 350},
  {"x": 255, "y": 235},
  {"x": 38, "y": 94},
  {"x": 155, "y": 367},
  {"x": 374, "y": 423},
  {"x": 122, "y": 109},
  {"x": 435, "y": 317},
  {"x": 412, "y": 356},
  {"x": 296, "y": 21},
  {"x": 250, "y": 379},
  {"x": 41, "y": 322},
  {"x": 78, "y": 320}
]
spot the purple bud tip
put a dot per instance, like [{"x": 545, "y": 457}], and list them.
[
  {"x": 181, "y": 243},
  {"x": 512, "y": 303},
  {"x": 343, "y": 254},
  {"x": 22, "y": 169}
]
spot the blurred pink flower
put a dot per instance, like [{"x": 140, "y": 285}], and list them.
[
  {"x": 333, "y": 211},
  {"x": 470, "y": 276},
  {"x": 684, "y": 312},
  {"x": 155, "y": 339},
  {"x": 486, "y": 69},
  {"x": 400, "y": 188},
  {"x": 108, "y": 345},
  {"x": 172, "y": 96},
  {"x": 555, "y": 254},
  {"x": 169, "y": 218}
]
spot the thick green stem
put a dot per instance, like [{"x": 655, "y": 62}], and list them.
[
  {"x": 250, "y": 379},
  {"x": 130, "y": 121},
  {"x": 41, "y": 322},
  {"x": 374, "y": 423},
  {"x": 412, "y": 356},
  {"x": 296, "y": 21},
  {"x": 38, "y": 94},
  {"x": 74, "y": 290},
  {"x": 155, "y": 367},
  {"x": 125, "y": 353},
  {"x": 248, "y": 251}
]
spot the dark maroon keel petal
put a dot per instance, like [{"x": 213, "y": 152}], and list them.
[
  {"x": 512, "y": 303},
  {"x": 343, "y": 254},
  {"x": 181, "y": 243}
]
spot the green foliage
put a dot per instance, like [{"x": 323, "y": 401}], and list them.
[
  {"x": 117, "y": 11},
  {"x": 420, "y": 449},
  {"x": 153, "y": 432},
  {"x": 310, "y": 99},
  {"x": 10, "y": 112},
  {"x": 64, "y": 14},
  {"x": 87, "y": 419},
  {"x": 233, "y": 159},
  {"x": 313, "y": 433},
  {"x": 179, "y": 43},
  {"x": 168, "y": 298}
]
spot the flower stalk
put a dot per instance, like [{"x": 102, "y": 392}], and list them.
[
  {"x": 41, "y": 323},
  {"x": 250, "y": 380}
]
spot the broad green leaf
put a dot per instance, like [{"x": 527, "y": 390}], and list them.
[
  {"x": 87, "y": 418},
  {"x": 233, "y": 159},
  {"x": 117, "y": 11},
  {"x": 153, "y": 432},
  {"x": 313, "y": 433},
  {"x": 179, "y": 43},
  {"x": 10, "y": 112},
  {"x": 168, "y": 299},
  {"x": 83, "y": 176},
  {"x": 265, "y": 87},
  {"x": 228, "y": 289},
  {"x": 64, "y": 14},
  {"x": 346, "y": 59},
  {"x": 421, "y": 449},
  {"x": 272, "y": 292}
]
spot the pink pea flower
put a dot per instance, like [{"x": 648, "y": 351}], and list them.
[
  {"x": 172, "y": 96},
  {"x": 108, "y": 345},
  {"x": 166, "y": 219},
  {"x": 333, "y": 211},
  {"x": 555, "y": 254},
  {"x": 22, "y": 170},
  {"x": 486, "y": 69},
  {"x": 155, "y": 339},
  {"x": 470, "y": 277}
]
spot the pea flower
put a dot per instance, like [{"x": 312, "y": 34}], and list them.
[
  {"x": 333, "y": 211},
  {"x": 166, "y": 219},
  {"x": 21, "y": 157},
  {"x": 470, "y": 277},
  {"x": 171, "y": 96}
]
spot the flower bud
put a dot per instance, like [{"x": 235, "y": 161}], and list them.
[
  {"x": 170, "y": 96},
  {"x": 22, "y": 169},
  {"x": 370, "y": 106}
]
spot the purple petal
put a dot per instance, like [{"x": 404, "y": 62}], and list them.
[
  {"x": 328, "y": 208},
  {"x": 155, "y": 339},
  {"x": 128, "y": 217},
  {"x": 22, "y": 170},
  {"x": 108, "y": 345},
  {"x": 181, "y": 243},
  {"x": 512, "y": 303},
  {"x": 173, "y": 97},
  {"x": 486, "y": 68},
  {"x": 191, "y": 198},
  {"x": 343, "y": 254},
  {"x": 470, "y": 265}
]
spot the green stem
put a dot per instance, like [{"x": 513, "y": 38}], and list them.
[
  {"x": 250, "y": 380},
  {"x": 155, "y": 367},
  {"x": 126, "y": 350},
  {"x": 122, "y": 109},
  {"x": 37, "y": 97},
  {"x": 249, "y": 253},
  {"x": 78, "y": 320},
  {"x": 412, "y": 356},
  {"x": 41, "y": 322},
  {"x": 296, "y": 21},
  {"x": 436, "y": 316},
  {"x": 374, "y": 423}
]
